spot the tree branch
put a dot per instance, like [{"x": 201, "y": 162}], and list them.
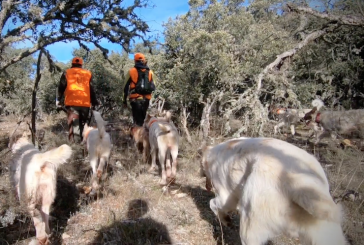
[
  {"x": 52, "y": 66},
  {"x": 35, "y": 48},
  {"x": 343, "y": 19},
  {"x": 287, "y": 54},
  {"x": 5, "y": 13}
]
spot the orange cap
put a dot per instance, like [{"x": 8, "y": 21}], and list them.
[
  {"x": 139, "y": 56},
  {"x": 77, "y": 60}
]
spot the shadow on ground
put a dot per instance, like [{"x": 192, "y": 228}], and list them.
[
  {"x": 222, "y": 234},
  {"x": 136, "y": 229}
]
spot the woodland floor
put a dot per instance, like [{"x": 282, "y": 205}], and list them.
[{"x": 133, "y": 209}]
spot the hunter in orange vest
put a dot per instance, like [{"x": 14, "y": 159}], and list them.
[
  {"x": 139, "y": 101},
  {"x": 75, "y": 85}
]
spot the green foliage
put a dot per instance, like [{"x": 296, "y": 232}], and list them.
[{"x": 16, "y": 85}]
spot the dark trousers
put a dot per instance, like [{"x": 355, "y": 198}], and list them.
[
  {"x": 73, "y": 113},
  {"x": 139, "y": 110}
]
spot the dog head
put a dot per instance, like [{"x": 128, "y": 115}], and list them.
[
  {"x": 204, "y": 166},
  {"x": 310, "y": 117},
  {"x": 17, "y": 140},
  {"x": 314, "y": 114}
]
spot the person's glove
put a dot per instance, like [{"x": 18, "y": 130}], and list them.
[
  {"x": 125, "y": 105},
  {"x": 58, "y": 105}
]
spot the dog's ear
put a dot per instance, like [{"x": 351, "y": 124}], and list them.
[{"x": 168, "y": 115}]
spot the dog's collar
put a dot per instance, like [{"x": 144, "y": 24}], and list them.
[
  {"x": 318, "y": 117},
  {"x": 151, "y": 122}
]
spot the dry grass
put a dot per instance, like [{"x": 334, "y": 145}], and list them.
[{"x": 133, "y": 209}]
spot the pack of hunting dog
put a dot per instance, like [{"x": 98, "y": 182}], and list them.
[{"x": 245, "y": 126}]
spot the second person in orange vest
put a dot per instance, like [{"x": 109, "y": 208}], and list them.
[
  {"x": 139, "y": 101},
  {"x": 76, "y": 85}
]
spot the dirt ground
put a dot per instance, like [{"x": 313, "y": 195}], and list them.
[{"x": 133, "y": 209}]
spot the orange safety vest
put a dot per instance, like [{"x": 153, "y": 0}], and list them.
[
  {"x": 78, "y": 87},
  {"x": 134, "y": 79}
]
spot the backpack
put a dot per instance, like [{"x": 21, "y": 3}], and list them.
[{"x": 143, "y": 86}]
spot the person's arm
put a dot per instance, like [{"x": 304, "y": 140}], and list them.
[
  {"x": 126, "y": 88},
  {"x": 94, "y": 101},
  {"x": 126, "y": 92},
  {"x": 61, "y": 86}
]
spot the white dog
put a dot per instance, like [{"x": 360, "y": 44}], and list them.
[
  {"x": 335, "y": 122},
  {"x": 289, "y": 117},
  {"x": 99, "y": 147},
  {"x": 164, "y": 140},
  {"x": 276, "y": 187},
  {"x": 33, "y": 175}
]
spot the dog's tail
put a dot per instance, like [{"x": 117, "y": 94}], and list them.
[
  {"x": 100, "y": 123},
  {"x": 56, "y": 156},
  {"x": 317, "y": 103},
  {"x": 308, "y": 195}
]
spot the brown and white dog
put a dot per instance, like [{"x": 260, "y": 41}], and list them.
[
  {"x": 140, "y": 136},
  {"x": 163, "y": 140},
  {"x": 33, "y": 175},
  {"x": 98, "y": 144},
  {"x": 335, "y": 122},
  {"x": 289, "y": 117},
  {"x": 276, "y": 187}
]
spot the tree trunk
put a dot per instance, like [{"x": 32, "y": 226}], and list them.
[
  {"x": 184, "y": 117},
  {"x": 205, "y": 118},
  {"x": 34, "y": 97}
]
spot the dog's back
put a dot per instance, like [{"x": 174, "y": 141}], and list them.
[
  {"x": 99, "y": 148},
  {"x": 98, "y": 140},
  {"x": 335, "y": 122},
  {"x": 278, "y": 187},
  {"x": 164, "y": 140},
  {"x": 44, "y": 166},
  {"x": 289, "y": 117},
  {"x": 343, "y": 122},
  {"x": 163, "y": 132},
  {"x": 33, "y": 176}
]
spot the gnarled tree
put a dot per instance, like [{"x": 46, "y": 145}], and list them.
[{"x": 44, "y": 22}]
